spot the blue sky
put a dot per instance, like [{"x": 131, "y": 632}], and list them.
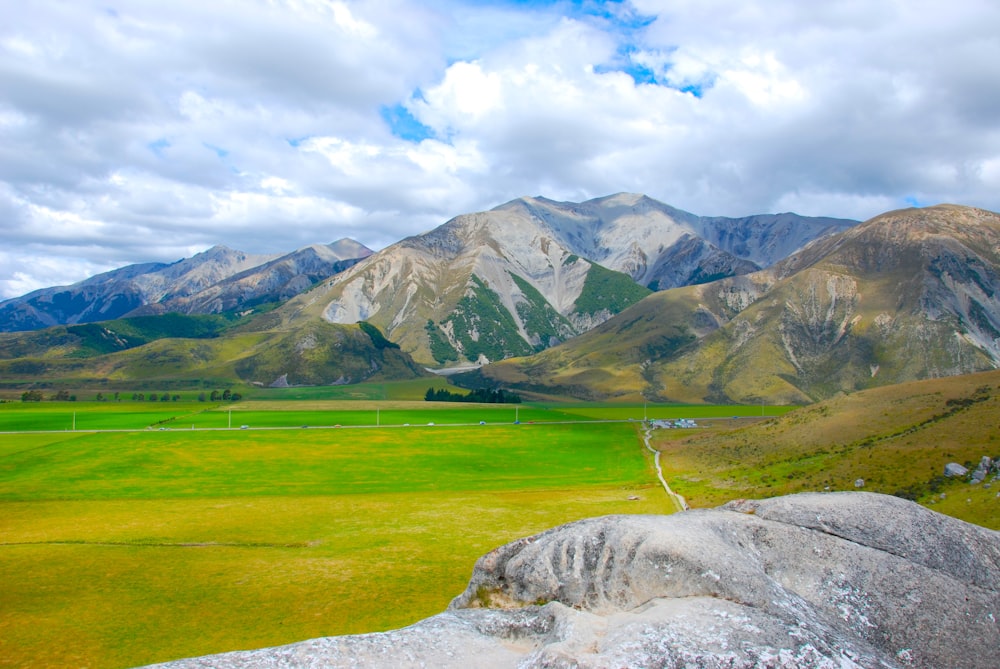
[{"x": 133, "y": 131}]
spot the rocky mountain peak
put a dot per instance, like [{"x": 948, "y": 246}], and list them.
[
  {"x": 907, "y": 295},
  {"x": 521, "y": 258}
]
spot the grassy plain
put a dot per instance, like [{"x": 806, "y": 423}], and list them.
[
  {"x": 119, "y": 548},
  {"x": 124, "y": 548},
  {"x": 295, "y": 410}
]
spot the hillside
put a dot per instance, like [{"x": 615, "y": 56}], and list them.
[
  {"x": 896, "y": 439},
  {"x": 532, "y": 273},
  {"x": 178, "y": 351},
  {"x": 907, "y": 295}
]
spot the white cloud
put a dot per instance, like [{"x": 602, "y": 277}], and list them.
[
  {"x": 466, "y": 90},
  {"x": 141, "y": 132}
]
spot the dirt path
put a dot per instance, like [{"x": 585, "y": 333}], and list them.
[{"x": 678, "y": 500}]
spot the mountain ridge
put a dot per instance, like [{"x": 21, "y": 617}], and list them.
[
  {"x": 532, "y": 261},
  {"x": 909, "y": 294},
  {"x": 202, "y": 284}
]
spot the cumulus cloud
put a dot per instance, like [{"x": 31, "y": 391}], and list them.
[{"x": 133, "y": 132}]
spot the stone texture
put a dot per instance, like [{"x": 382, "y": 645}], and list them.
[
  {"x": 954, "y": 469},
  {"x": 812, "y": 580}
]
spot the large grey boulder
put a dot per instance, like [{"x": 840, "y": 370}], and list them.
[
  {"x": 811, "y": 580},
  {"x": 953, "y": 469}
]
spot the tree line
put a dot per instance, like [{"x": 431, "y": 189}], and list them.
[
  {"x": 481, "y": 395},
  {"x": 226, "y": 395}
]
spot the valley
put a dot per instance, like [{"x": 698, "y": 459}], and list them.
[{"x": 234, "y": 452}]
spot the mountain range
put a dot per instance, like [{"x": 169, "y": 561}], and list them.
[
  {"x": 532, "y": 273},
  {"x": 907, "y": 295},
  {"x": 617, "y": 297},
  {"x": 215, "y": 281}
]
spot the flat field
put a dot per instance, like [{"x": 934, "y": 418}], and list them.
[
  {"x": 279, "y": 409},
  {"x": 120, "y": 548}
]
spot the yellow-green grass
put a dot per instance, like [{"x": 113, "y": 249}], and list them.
[
  {"x": 120, "y": 549},
  {"x": 896, "y": 439}
]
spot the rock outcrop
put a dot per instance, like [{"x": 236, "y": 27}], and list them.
[{"x": 811, "y": 580}]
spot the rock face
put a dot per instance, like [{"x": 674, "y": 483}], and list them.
[{"x": 811, "y": 580}]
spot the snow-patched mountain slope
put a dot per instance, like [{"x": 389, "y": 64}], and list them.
[{"x": 533, "y": 257}]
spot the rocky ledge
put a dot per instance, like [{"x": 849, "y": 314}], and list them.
[{"x": 812, "y": 580}]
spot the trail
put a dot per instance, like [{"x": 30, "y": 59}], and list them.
[{"x": 678, "y": 500}]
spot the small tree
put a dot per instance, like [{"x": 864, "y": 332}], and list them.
[{"x": 201, "y": 397}]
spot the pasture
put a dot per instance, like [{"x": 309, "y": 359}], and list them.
[
  {"x": 138, "y": 544},
  {"x": 278, "y": 409}
]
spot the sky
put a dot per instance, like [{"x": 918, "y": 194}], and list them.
[{"x": 137, "y": 131}]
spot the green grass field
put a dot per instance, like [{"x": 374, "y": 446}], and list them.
[
  {"x": 137, "y": 539},
  {"x": 279, "y": 410},
  {"x": 125, "y": 548}
]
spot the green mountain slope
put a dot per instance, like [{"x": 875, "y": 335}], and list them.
[{"x": 177, "y": 351}]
